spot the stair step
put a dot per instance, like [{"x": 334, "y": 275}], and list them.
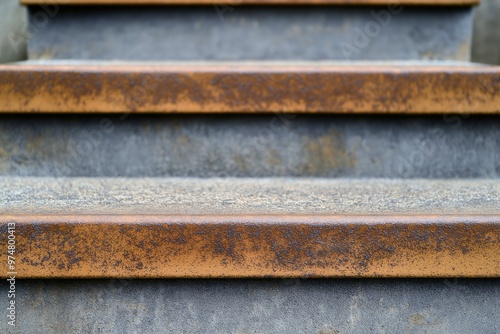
[
  {"x": 228, "y": 33},
  {"x": 253, "y": 2},
  {"x": 266, "y": 145},
  {"x": 165, "y": 228},
  {"x": 249, "y": 87},
  {"x": 277, "y": 306}
]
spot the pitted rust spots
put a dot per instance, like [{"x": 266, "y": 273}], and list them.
[
  {"x": 253, "y": 2},
  {"x": 249, "y": 88},
  {"x": 256, "y": 246}
]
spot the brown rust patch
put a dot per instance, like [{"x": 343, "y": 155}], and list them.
[
  {"x": 240, "y": 162},
  {"x": 327, "y": 153},
  {"x": 250, "y": 88},
  {"x": 36, "y": 144},
  {"x": 328, "y": 330},
  {"x": 43, "y": 54},
  {"x": 143, "y": 246},
  {"x": 273, "y": 159},
  {"x": 417, "y": 319},
  {"x": 3, "y": 153},
  {"x": 253, "y": 2},
  {"x": 464, "y": 51},
  {"x": 183, "y": 140}
]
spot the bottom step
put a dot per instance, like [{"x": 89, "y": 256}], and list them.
[
  {"x": 260, "y": 306},
  {"x": 166, "y": 228}
]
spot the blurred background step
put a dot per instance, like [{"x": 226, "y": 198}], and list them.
[
  {"x": 165, "y": 228},
  {"x": 260, "y": 32},
  {"x": 444, "y": 146},
  {"x": 274, "y": 142},
  {"x": 278, "y": 306},
  {"x": 222, "y": 87},
  {"x": 253, "y": 2}
]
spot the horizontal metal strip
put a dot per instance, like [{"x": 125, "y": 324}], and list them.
[
  {"x": 216, "y": 88},
  {"x": 148, "y": 246},
  {"x": 250, "y": 2}
]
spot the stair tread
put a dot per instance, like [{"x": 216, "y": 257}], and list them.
[
  {"x": 247, "y": 196},
  {"x": 313, "y": 87},
  {"x": 275, "y": 228},
  {"x": 167, "y": 228},
  {"x": 253, "y": 2}
]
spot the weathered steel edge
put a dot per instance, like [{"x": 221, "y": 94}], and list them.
[
  {"x": 232, "y": 246},
  {"x": 247, "y": 89},
  {"x": 255, "y": 2}
]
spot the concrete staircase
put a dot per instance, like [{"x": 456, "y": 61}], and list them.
[{"x": 176, "y": 166}]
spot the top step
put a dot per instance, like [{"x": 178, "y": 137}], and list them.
[
  {"x": 250, "y": 87},
  {"x": 253, "y": 2}
]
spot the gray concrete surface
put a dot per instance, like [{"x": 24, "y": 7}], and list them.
[
  {"x": 448, "y": 146},
  {"x": 60, "y": 145},
  {"x": 252, "y": 33},
  {"x": 329, "y": 306},
  {"x": 247, "y": 196},
  {"x": 486, "y": 38},
  {"x": 13, "y": 24}
]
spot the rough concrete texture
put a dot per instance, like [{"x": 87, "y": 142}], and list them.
[
  {"x": 486, "y": 38},
  {"x": 331, "y": 306},
  {"x": 13, "y": 22},
  {"x": 446, "y": 146},
  {"x": 247, "y": 196},
  {"x": 253, "y": 33}
]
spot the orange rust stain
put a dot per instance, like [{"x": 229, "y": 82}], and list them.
[
  {"x": 255, "y": 246},
  {"x": 250, "y": 88},
  {"x": 255, "y": 2},
  {"x": 327, "y": 153}
]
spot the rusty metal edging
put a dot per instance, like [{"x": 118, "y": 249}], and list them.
[
  {"x": 249, "y": 88},
  {"x": 254, "y": 2},
  {"x": 142, "y": 246}
]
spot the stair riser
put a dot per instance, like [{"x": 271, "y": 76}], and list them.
[
  {"x": 261, "y": 145},
  {"x": 460, "y": 306},
  {"x": 251, "y": 33}
]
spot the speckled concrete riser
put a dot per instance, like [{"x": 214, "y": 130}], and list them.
[
  {"x": 446, "y": 146},
  {"x": 334, "y": 306},
  {"x": 251, "y": 33}
]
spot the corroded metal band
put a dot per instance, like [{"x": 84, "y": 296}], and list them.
[
  {"x": 142, "y": 246},
  {"x": 251, "y": 2},
  {"x": 250, "y": 88}
]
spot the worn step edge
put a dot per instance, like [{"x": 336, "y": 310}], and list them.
[
  {"x": 126, "y": 228},
  {"x": 248, "y": 88},
  {"x": 149, "y": 246},
  {"x": 254, "y": 2}
]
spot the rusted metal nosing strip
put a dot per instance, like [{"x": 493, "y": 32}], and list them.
[
  {"x": 249, "y": 88},
  {"x": 228, "y": 246},
  {"x": 254, "y": 2}
]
